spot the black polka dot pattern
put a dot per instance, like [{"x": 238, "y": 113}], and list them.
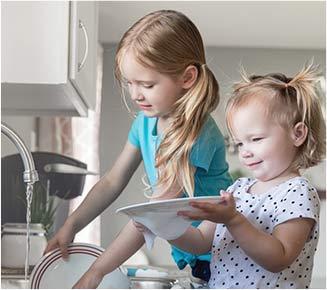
[{"x": 232, "y": 268}]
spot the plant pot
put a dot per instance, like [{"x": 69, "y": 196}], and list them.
[{"x": 13, "y": 244}]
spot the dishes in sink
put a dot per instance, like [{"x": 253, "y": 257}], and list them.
[
  {"x": 52, "y": 272},
  {"x": 161, "y": 218}
]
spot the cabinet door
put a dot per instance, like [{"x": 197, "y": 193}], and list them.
[
  {"x": 83, "y": 49},
  {"x": 34, "y": 42}
]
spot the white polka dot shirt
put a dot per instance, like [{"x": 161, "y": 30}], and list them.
[{"x": 232, "y": 268}]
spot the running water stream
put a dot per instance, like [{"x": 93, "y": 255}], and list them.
[
  {"x": 30, "y": 176},
  {"x": 29, "y": 196}
]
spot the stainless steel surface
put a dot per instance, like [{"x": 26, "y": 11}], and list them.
[
  {"x": 14, "y": 283},
  {"x": 14, "y": 273},
  {"x": 151, "y": 283},
  {"x": 20, "y": 229},
  {"x": 14, "y": 278},
  {"x": 30, "y": 175},
  {"x": 66, "y": 169}
]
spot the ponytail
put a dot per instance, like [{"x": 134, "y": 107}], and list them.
[
  {"x": 190, "y": 113},
  {"x": 309, "y": 108}
]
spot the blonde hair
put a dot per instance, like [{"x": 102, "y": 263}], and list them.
[
  {"x": 168, "y": 42},
  {"x": 288, "y": 101}
]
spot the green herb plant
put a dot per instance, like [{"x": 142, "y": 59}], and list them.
[{"x": 43, "y": 208}]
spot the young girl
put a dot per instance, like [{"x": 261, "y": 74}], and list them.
[
  {"x": 161, "y": 59},
  {"x": 265, "y": 231}
]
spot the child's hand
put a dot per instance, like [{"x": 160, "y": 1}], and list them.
[
  {"x": 90, "y": 280},
  {"x": 61, "y": 240},
  {"x": 141, "y": 228},
  {"x": 223, "y": 212}
]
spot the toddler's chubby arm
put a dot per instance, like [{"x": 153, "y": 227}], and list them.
[
  {"x": 196, "y": 240},
  {"x": 273, "y": 252}
]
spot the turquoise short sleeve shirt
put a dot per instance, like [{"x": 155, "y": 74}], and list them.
[{"x": 207, "y": 156}]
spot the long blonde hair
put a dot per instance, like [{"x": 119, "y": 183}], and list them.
[
  {"x": 288, "y": 101},
  {"x": 168, "y": 42}
]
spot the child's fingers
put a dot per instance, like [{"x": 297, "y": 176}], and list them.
[
  {"x": 192, "y": 215},
  {"x": 226, "y": 196},
  {"x": 139, "y": 227},
  {"x": 203, "y": 205},
  {"x": 229, "y": 198}
]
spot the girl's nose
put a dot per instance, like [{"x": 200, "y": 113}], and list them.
[
  {"x": 136, "y": 95},
  {"x": 245, "y": 153}
]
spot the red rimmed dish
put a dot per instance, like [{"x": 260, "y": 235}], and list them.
[{"x": 52, "y": 272}]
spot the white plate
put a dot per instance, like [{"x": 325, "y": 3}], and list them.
[
  {"x": 170, "y": 205},
  {"x": 161, "y": 218},
  {"x": 52, "y": 272}
]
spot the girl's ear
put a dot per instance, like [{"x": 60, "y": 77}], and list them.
[
  {"x": 189, "y": 77},
  {"x": 299, "y": 133}
]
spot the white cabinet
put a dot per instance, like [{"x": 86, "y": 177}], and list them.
[{"x": 48, "y": 58}]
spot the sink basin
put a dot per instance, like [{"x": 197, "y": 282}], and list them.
[
  {"x": 11, "y": 283},
  {"x": 151, "y": 283},
  {"x": 136, "y": 283},
  {"x": 176, "y": 280}
]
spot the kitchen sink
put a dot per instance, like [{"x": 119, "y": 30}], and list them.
[
  {"x": 14, "y": 283},
  {"x": 151, "y": 283},
  {"x": 136, "y": 283},
  {"x": 177, "y": 279}
]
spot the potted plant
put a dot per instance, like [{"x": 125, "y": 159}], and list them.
[{"x": 43, "y": 208}]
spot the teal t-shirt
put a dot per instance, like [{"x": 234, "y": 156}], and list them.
[{"x": 207, "y": 156}]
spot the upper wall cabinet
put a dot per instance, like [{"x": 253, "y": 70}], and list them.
[{"x": 48, "y": 58}]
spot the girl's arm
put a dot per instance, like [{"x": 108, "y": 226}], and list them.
[
  {"x": 124, "y": 246},
  {"x": 275, "y": 251},
  {"x": 108, "y": 188},
  {"x": 198, "y": 240},
  {"x": 103, "y": 194}
]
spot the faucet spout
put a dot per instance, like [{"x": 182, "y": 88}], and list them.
[{"x": 30, "y": 174}]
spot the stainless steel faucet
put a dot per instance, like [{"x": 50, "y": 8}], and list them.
[{"x": 30, "y": 175}]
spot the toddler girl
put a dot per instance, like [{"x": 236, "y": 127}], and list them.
[{"x": 265, "y": 231}]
